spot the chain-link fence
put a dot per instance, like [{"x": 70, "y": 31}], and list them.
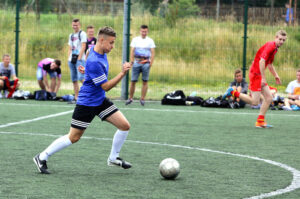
[{"x": 198, "y": 46}]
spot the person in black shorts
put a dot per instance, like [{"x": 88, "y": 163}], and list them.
[{"x": 93, "y": 102}]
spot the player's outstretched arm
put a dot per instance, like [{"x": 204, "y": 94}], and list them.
[
  {"x": 114, "y": 81},
  {"x": 274, "y": 73}
]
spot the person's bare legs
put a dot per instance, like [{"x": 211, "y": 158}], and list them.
[
  {"x": 41, "y": 84},
  {"x": 254, "y": 100},
  {"x": 144, "y": 90},
  {"x": 76, "y": 89},
  {"x": 53, "y": 84},
  {"x": 132, "y": 90},
  {"x": 266, "y": 101}
]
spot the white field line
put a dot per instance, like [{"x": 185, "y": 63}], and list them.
[
  {"x": 167, "y": 110},
  {"x": 295, "y": 184},
  {"x": 35, "y": 119}
]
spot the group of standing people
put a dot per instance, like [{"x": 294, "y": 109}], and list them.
[
  {"x": 141, "y": 57},
  {"x": 79, "y": 43}
]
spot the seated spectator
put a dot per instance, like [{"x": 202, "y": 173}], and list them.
[
  {"x": 52, "y": 67},
  {"x": 240, "y": 85},
  {"x": 293, "y": 90},
  {"x": 8, "y": 79}
]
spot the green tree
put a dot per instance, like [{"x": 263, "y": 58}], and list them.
[
  {"x": 151, "y": 5},
  {"x": 180, "y": 9}
]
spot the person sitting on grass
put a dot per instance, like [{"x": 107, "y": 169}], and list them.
[
  {"x": 293, "y": 90},
  {"x": 239, "y": 84},
  {"x": 8, "y": 79}
]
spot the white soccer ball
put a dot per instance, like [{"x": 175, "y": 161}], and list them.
[{"x": 169, "y": 168}]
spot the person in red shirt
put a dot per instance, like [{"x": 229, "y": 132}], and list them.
[{"x": 258, "y": 85}]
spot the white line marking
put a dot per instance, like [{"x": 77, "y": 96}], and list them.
[
  {"x": 35, "y": 119},
  {"x": 168, "y": 110},
  {"x": 52, "y": 105},
  {"x": 295, "y": 184}
]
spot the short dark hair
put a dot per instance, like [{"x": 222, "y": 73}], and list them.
[
  {"x": 109, "y": 31},
  {"x": 90, "y": 27},
  {"x": 144, "y": 26},
  {"x": 57, "y": 62},
  {"x": 76, "y": 20},
  {"x": 237, "y": 71}
]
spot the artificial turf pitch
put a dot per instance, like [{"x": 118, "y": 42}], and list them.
[{"x": 216, "y": 149}]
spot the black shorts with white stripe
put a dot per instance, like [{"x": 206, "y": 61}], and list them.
[{"x": 83, "y": 115}]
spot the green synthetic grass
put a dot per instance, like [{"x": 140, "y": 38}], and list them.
[{"x": 80, "y": 171}]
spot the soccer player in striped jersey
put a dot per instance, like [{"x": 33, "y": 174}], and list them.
[
  {"x": 258, "y": 85},
  {"x": 93, "y": 102}
]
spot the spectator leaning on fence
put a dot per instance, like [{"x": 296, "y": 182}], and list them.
[
  {"x": 77, "y": 46},
  {"x": 239, "y": 84},
  {"x": 293, "y": 90},
  {"x": 142, "y": 57},
  {"x": 8, "y": 79},
  {"x": 51, "y": 67}
]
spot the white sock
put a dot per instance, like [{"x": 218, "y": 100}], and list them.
[
  {"x": 57, "y": 145},
  {"x": 118, "y": 141}
]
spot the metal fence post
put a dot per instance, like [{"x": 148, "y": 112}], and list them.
[
  {"x": 17, "y": 36},
  {"x": 125, "y": 51},
  {"x": 245, "y": 37}
]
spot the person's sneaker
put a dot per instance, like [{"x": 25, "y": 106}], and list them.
[
  {"x": 142, "y": 102},
  {"x": 119, "y": 162},
  {"x": 286, "y": 108},
  {"x": 129, "y": 101},
  {"x": 227, "y": 93},
  {"x": 41, "y": 164},
  {"x": 262, "y": 125}
]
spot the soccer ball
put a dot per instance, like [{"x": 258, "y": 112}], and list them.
[{"x": 169, "y": 168}]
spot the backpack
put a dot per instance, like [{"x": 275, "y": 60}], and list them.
[
  {"x": 174, "y": 98},
  {"x": 42, "y": 95},
  {"x": 195, "y": 99},
  {"x": 215, "y": 102}
]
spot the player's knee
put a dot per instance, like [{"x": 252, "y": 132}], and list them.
[
  {"x": 269, "y": 99},
  {"x": 255, "y": 103},
  {"x": 74, "y": 138},
  {"x": 125, "y": 126}
]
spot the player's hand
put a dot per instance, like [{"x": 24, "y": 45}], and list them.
[
  {"x": 126, "y": 67},
  {"x": 81, "y": 69},
  {"x": 278, "y": 81}
]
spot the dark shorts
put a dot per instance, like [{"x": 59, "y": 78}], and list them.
[
  {"x": 5, "y": 86},
  {"x": 83, "y": 115}
]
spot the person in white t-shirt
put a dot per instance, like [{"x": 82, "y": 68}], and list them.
[
  {"x": 77, "y": 45},
  {"x": 141, "y": 56},
  {"x": 293, "y": 90}
]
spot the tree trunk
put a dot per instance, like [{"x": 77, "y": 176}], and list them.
[
  {"x": 272, "y": 12},
  {"x": 37, "y": 6},
  {"x": 295, "y": 13}
]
